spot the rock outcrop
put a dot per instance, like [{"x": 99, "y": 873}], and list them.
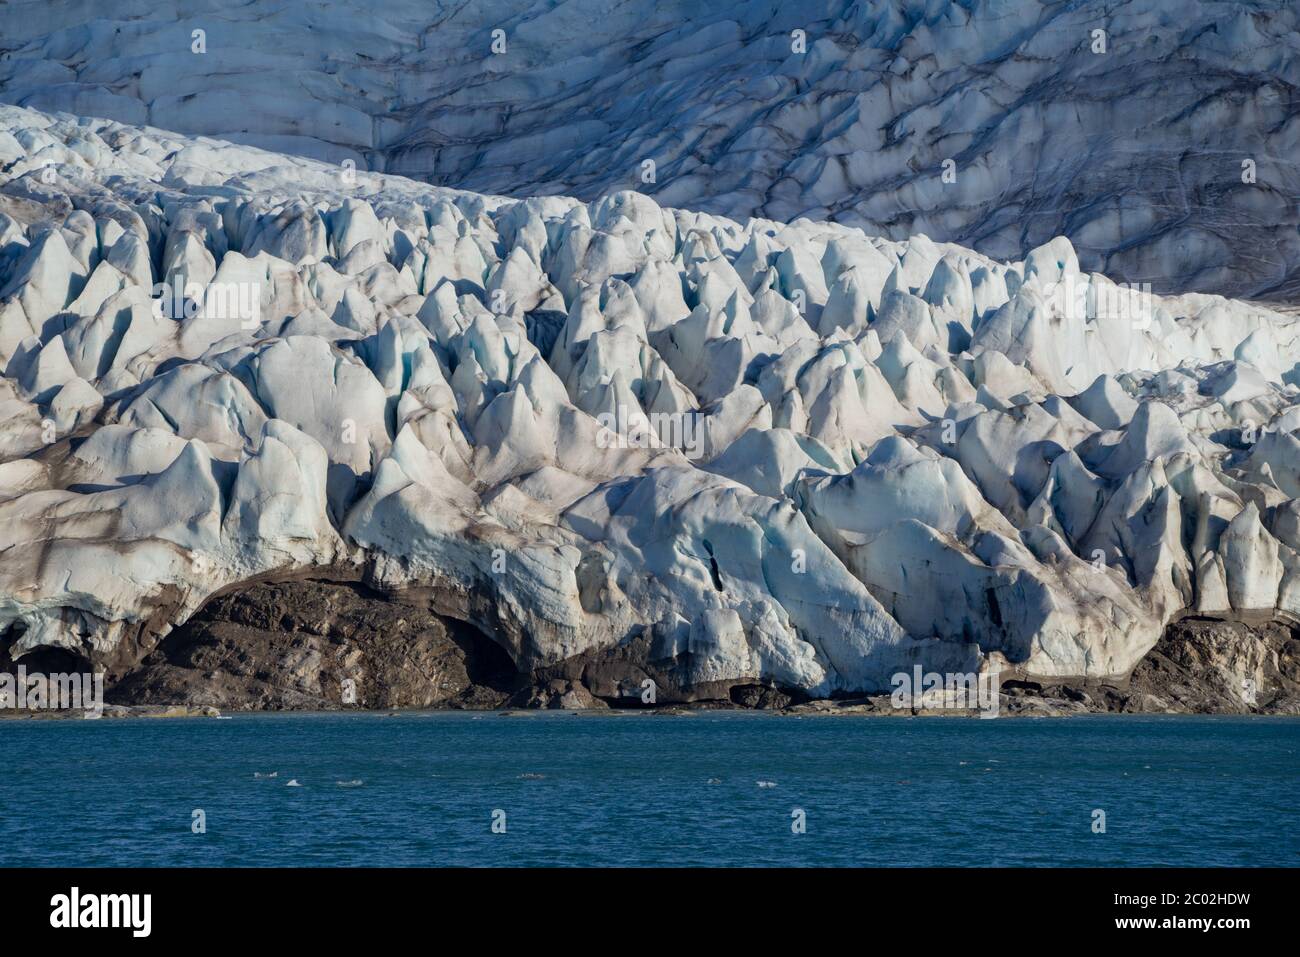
[{"x": 313, "y": 645}]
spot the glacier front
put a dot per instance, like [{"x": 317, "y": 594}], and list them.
[{"x": 723, "y": 452}]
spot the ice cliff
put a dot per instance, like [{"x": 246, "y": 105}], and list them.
[{"x": 790, "y": 453}]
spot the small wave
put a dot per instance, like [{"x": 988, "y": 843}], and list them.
[
  {"x": 766, "y": 784},
  {"x": 354, "y": 783},
  {"x": 530, "y": 776},
  {"x": 259, "y": 774}
]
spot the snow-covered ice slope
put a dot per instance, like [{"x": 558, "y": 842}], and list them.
[
  {"x": 1160, "y": 136},
  {"x": 789, "y": 452}
]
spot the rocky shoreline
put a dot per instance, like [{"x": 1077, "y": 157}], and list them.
[{"x": 316, "y": 645}]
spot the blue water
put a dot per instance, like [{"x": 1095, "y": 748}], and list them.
[{"x": 634, "y": 789}]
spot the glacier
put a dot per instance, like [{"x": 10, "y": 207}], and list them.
[
  {"x": 743, "y": 450},
  {"x": 1160, "y": 136}
]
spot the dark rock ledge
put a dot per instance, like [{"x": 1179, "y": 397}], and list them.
[{"x": 330, "y": 645}]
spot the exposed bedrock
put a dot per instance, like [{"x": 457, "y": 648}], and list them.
[
  {"x": 319, "y": 644},
  {"x": 1208, "y": 664},
  {"x": 1201, "y": 665},
  {"x": 737, "y": 454},
  {"x": 322, "y": 645},
  {"x": 314, "y": 645}
]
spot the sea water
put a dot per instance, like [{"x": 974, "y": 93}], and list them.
[{"x": 709, "y": 788}]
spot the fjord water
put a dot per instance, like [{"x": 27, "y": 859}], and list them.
[{"x": 647, "y": 789}]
